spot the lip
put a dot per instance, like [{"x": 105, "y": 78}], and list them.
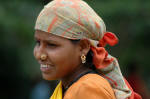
[{"x": 45, "y": 68}]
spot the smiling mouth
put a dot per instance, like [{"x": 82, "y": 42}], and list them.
[{"x": 46, "y": 68}]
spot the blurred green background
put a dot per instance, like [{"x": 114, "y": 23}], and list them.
[{"x": 19, "y": 73}]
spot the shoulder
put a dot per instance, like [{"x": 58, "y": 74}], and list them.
[{"x": 90, "y": 86}]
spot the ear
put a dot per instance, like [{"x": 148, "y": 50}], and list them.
[{"x": 84, "y": 45}]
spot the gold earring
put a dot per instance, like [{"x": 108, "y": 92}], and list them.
[
  {"x": 83, "y": 58},
  {"x": 43, "y": 57}
]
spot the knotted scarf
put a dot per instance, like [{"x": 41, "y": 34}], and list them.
[{"x": 75, "y": 19}]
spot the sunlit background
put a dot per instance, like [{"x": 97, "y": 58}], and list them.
[{"x": 20, "y": 75}]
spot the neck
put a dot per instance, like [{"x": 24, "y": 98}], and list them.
[{"x": 73, "y": 75}]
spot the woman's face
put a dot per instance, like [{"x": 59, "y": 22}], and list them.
[{"x": 62, "y": 56}]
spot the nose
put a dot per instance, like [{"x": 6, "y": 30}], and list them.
[{"x": 40, "y": 52}]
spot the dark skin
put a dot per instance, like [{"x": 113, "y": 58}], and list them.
[{"x": 63, "y": 58}]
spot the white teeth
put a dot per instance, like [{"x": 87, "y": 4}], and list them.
[{"x": 44, "y": 66}]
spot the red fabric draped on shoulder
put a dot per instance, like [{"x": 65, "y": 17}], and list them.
[{"x": 102, "y": 62}]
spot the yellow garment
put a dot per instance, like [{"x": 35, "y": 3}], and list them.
[{"x": 58, "y": 92}]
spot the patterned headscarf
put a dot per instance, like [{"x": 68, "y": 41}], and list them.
[
  {"x": 72, "y": 19},
  {"x": 75, "y": 19}
]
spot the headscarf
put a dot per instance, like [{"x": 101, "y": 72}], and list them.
[{"x": 75, "y": 19}]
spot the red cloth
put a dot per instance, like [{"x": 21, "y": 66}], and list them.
[
  {"x": 134, "y": 95},
  {"x": 101, "y": 61}
]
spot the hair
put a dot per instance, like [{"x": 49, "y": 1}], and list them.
[{"x": 89, "y": 57}]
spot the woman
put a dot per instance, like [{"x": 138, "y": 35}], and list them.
[{"x": 70, "y": 47}]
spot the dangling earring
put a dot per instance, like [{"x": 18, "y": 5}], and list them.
[{"x": 83, "y": 58}]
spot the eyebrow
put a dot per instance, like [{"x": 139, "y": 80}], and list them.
[
  {"x": 47, "y": 40},
  {"x": 51, "y": 41}
]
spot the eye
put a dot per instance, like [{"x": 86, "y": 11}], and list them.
[
  {"x": 37, "y": 42},
  {"x": 51, "y": 45}
]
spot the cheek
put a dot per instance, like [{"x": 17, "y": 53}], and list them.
[
  {"x": 35, "y": 52},
  {"x": 64, "y": 60},
  {"x": 57, "y": 57}
]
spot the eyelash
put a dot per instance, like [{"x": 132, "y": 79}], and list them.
[{"x": 52, "y": 45}]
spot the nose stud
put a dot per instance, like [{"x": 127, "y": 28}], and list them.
[{"x": 43, "y": 57}]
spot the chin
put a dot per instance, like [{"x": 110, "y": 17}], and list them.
[{"x": 48, "y": 77}]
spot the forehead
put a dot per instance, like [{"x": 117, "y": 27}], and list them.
[{"x": 48, "y": 36}]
